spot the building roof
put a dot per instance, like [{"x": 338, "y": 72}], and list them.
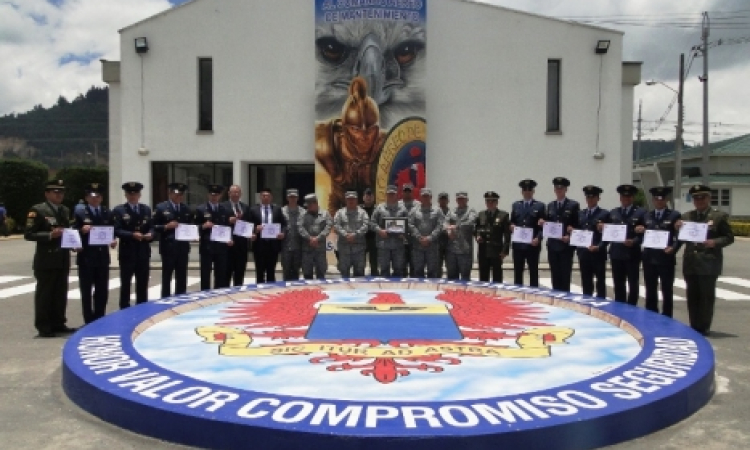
[
  {"x": 476, "y": 2},
  {"x": 737, "y": 146},
  {"x": 717, "y": 179}
]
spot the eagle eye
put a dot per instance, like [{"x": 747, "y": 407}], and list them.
[
  {"x": 406, "y": 52},
  {"x": 332, "y": 50}
]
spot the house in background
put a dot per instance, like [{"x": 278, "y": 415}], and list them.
[
  {"x": 728, "y": 174},
  {"x": 223, "y": 91}
]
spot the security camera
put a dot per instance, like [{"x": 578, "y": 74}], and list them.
[{"x": 143, "y": 151}]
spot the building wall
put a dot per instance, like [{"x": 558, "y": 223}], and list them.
[
  {"x": 731, "y": 164},
  {"x": 740, "y": 201},
  {"x": 486, "y": 95}
]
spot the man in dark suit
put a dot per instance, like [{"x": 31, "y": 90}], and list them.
[
  {"x": 702, "y": 262},
  {"x": 174, "y": 254},
  {"x": 492, "y": 232},
  {"x": 625, "y": 257},
  {"x": 213, "y": 253},
  {"x": 266, "y": 250},
  {"x": 134, "y": 227},
  {"x": 659, "y": 263},
  {"x": 526, "y": 213},
  {"x": 237, "y": 253},
  {"x": 44, "y": 225},
  {"x": 93, "y": 260},
  {"x": 593, "y": 259},
  {"x": 559, "y": 254}
]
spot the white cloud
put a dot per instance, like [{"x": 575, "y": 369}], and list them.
[{"x": 36, "y": 35}]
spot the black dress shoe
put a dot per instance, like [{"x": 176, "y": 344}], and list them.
[
  {"x": 45, "y": 334},
  {"x": 65, "y": 329}
]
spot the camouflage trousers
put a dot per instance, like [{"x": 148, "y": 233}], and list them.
[
  {"x": 394, "y": 258},
  {"x": 459, "y": 265},
  {"x": 352, "y": 261},
  {"x": 428, "y": 257},
  {"x": 291, "y": 262},
  {"x": 314, "y": 263}
]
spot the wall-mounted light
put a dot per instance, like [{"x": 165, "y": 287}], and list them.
[
  {"x": 143, "y": 151},
  {"x": 598, "y": 155},
  {"x": 141, "y": 45},
  {"x": 602, "y": 47}
]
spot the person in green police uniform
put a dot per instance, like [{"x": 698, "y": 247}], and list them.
[
  {"x": 702, "y": 262},
  {"x": 44, "y": 225}
]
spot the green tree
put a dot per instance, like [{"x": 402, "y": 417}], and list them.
[
  {"x": 21, "y": 186},
  {"x": 76, "y": 178}
]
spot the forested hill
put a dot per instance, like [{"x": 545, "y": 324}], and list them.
[{"x": 66, "y": 134}]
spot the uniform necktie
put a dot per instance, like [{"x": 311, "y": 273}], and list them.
[
  {"x": 658, "y": 215},
  {"x": 559, "y": 206},
  {"x": 135, "y": 209},
  {"x": 96, "y": 212},
  {"x": 268, "y": 215},
  {"x": 236, "y": 208}
]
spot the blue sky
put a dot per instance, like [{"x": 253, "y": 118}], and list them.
[{"x": 50, "y": 48}]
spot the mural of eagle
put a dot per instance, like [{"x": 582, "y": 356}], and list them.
[{"x": 390, "y": 56}]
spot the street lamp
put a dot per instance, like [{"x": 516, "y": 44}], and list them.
[{"x": 677, "y": 196}]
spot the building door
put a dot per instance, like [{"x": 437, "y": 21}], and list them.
[{"x": 280, "y": 177}]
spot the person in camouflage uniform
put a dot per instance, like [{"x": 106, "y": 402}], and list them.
[
  {"x": 351, "y": 224},
  {"x": 459, "y": 225},
  {"x": 314, "y": 226},
  {"x": 443, "y": 201},
  {"x": 371, "y": 243},
  {"x": 425, "y": 228},
  {"x": 492, "y": 232},
  {"x": 391, "y": 252},
  {"x": 408, "y": 202},
  {"x": 291, "y": 247},
  {"x": 44, "y": 225},
  {"x": 702, "y": 262}
]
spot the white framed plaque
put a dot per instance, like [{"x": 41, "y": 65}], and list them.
[
  {"x": 71, "y": 239},
  {"x": 101, "y": 235},
  {"x": 522, "y": 235},
  {"x": 658, "y": 239},
  {"x": 186, "y": 232},
  {"x": 614, "y": 233},
  {"x": 221, "y": 233},
  {"x": 581, "y": 238},
  {"x": 270, "y": 230},
  {"x": 693, "y": 232},
  {"x": 243, "y": 229},
  {"x": 553, "y": 230},
  {"x": 396, "y": 225}
]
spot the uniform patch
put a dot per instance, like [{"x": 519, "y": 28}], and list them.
[{"x": 31, "y": 215}]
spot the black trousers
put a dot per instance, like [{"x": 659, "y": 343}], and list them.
[
  {"x": 409, "y": 264},
  {"x": 655, "y": 275},
  {"x": 626, "y": 271},
  {"x": 593, "y": 265},
  {"x": 175, "y": 264},
  {"x": 561, "y": 266},
  {"x": 50, "y": 299},
  {"x": 237, "y": 263},
  {"x": 371, "y": 249},
  {"x": 141, "y": 270},
  {"x": 216, "y": 262},
  {"x": 526, "y": 257},
  {"x": 266, "y": 255},
  {"x": 97, "y": 278},
  {"x": 701, "y": 298},
  {"x": 487, "y": 265}
]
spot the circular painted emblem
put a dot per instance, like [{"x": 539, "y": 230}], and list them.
[{"x": 388, "y": 364}]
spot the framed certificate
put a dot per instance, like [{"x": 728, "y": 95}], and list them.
[
  {"x": 581, "y": 238},
  {"x": 693, "y": 232},
  {"x": 71, "y": 239},
  {"x": 553, "y": 230},
  {"x": 656, "y": 239},
  {"x": 614, "y": 233},
  {"x": 186, "y": 232},
  {"x": 221, "y": 233},
  {"x": 522, "y": 235},
  {"x": 101, "y": 235},
  {"x": 243, "y": 229},
  {"x": 396, "y": 225},
  {"x": 270, "y": 230}
]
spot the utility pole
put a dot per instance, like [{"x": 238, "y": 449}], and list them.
[
  {"x": 704, "y": 79},
  {"x": 638, "y": 142},
  {"x": 677, "y": 196}
]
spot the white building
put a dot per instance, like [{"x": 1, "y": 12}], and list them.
[{"x": 494, "y": 80}]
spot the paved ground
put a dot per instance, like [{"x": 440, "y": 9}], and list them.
[{"x": 34, "y": 413}]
